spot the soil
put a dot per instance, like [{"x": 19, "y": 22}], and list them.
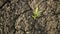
[{"x": 16, "y": 17}]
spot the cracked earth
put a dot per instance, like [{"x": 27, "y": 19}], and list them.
[{"x": 16, "y": 17}]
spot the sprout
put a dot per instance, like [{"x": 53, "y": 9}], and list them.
[{"x": 36, "y": 13}]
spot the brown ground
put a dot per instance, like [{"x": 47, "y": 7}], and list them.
[{"x": 16, "y": 17}]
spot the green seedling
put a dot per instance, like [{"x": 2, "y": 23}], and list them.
[{"x": 35, "y": 13}]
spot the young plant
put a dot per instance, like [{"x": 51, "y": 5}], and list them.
[{"x": 36, "y": 13}]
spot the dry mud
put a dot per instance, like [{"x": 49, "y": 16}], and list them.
[{"x": 16, "y": 17}]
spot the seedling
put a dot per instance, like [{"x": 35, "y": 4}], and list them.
[{"x": 36, "y": 13}]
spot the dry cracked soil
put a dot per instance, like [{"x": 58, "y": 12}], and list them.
[{"x": 16, "y": 17}]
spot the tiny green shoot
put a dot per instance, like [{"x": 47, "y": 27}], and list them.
[{"x": 35, "y": 13}]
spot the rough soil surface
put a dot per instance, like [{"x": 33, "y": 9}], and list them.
[{"x": 16, "y": 17}]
